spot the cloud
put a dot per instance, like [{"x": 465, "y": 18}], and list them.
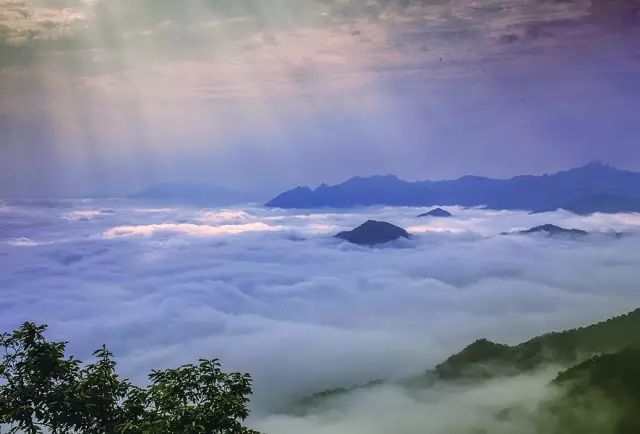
[
  {"x": 224, "y": 216},
  {"x": 298, "y": 309},
  {"x": 88, "y": 214},
  {"x": 307, "y": 36},
  {"x": 188, "y": 229},
  {"x": 22, "y": 242},
  {"x": 441, "y": 409}
]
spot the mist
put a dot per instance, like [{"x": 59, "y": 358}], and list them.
[
  {"x": 272, "y": 293},
  {"x": 505, "y": 405}
]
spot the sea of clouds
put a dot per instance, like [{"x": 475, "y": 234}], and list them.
[{"x": 271, "y": 292}]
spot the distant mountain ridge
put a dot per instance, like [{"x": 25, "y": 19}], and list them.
[{"x": 528, "y": 192}]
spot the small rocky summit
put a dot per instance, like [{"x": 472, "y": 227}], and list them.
[
  {"x": 436, "y": 212},
  {"x": 554, "y": 230},
  {"x": 373, "y": 232}
]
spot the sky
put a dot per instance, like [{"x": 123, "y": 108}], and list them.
[
  {"x": 111, "y": 96},
  {"x": 272, "y": 292}
]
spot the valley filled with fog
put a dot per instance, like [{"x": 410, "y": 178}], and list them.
[{"x": 273, "y": 293}]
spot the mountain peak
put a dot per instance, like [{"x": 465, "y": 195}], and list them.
[
  {"x": 373, "y": 232},
  {"x": 436, "y": 212},
  {"x": 551, "y": 230}
]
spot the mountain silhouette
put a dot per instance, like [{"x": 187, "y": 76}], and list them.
[
  {"x": 550, "y": 230},
  {"x": 373, "y": 232},
  {"x": 436, "y": 212},
  {"x": 527, "y": 192}
]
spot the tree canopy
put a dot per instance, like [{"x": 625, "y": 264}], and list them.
[{"x": 44, "y": 390}]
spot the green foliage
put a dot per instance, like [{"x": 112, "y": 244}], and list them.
[
  {"x": 484, "y": 358},
  {"x": 305, "y": 405},
  {"x": 42, "y": 390},
  {"x": 600, "y": 395},
  {"x": 473, "y": 358}
]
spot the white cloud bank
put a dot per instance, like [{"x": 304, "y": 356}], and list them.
[
  {"x": 188, "y": 229},
  {"x": 298, "y": 309}
]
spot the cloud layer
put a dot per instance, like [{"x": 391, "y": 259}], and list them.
[
  {"x": 438, "y": 410},
  {"x": 292, "y": 305}
]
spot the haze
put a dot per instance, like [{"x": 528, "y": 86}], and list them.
[{"x": 106, "y": 97}]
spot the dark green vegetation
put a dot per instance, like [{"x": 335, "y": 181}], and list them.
[
  {"x": 600, "y": 395},
  {"x": 318, "y": 399},
  {"x": 43, "y": 390},
  {"x": 597, "y": 390},
  {"x": 373, "y": 232},
  {"x": 484, "y": 358}
]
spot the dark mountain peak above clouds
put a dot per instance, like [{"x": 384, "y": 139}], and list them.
[
  {"x": 373, "y": 232},
  {"x": 436, "y": 212},
  {"x": 526, "y": 192},
  {"x": 552, "y": 230}
]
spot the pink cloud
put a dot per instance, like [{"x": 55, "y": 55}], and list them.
[{"x": 188, "y": 229}]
